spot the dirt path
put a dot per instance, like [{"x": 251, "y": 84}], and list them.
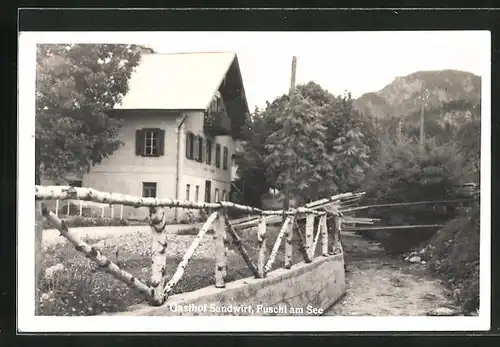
[{"x": 378, "y": 285}]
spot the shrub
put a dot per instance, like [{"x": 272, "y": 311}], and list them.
[
  {"x": 454, "y": 253},
  {"x": 75, "y": 222},
  {"x": 405, "y": 174}
]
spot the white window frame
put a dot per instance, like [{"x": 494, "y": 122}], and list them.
[
  {"x": 148, "y": 189},
  {"x": 151, "y": 137}
]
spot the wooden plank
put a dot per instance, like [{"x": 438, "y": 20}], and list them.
[
  {"x": 403, "y": 204},
  {"x": 324, "y": 237},
  {"x": 396, "y": 227}
]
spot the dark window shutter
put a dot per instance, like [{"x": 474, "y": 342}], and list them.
[
  {"x": 202, "y": 149},
  {"x": 200, "y": 139},
  {"x": 139, "y": 142},
  {"x": 188, "y": 145},
  {"x": 161, "y": 141},
  {"x": 209, "y": 152},
  {"x": 194, "y": 144}
]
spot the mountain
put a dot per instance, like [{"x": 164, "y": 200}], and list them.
[{"x": 405, "y": 95}]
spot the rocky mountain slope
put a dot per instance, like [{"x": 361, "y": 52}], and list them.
[{"x": 404, "y": 96}]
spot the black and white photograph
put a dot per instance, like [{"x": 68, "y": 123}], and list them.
[{"x": 199, "y": 181}]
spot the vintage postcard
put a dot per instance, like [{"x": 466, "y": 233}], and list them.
[{"x": 254, "y": 181}]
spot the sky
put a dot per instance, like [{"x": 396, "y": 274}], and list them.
[{"x": 358, "y": 62}]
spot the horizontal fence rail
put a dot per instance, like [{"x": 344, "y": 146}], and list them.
[{"x": 159, "y": 287}]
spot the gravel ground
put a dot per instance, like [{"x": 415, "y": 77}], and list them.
[
  {"x": 378, "y": 285},
  {"x": 52, "y": 237}
]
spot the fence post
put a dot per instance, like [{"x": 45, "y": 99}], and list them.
[
  {"x": 157, "y": 222},
  {"x": 220, "y": 250},
  {"x": 330, "y": 222},
  {"x": 112, "y": 211},
  {"x": 288, "y": 244},
  {"x": 324, "y": 236},
  {"x": 261, "y": 248},
  {"x": 102, "y": 212},
  {"x": 81, "y": 207},
  {"x": 310, "y": 235},
  {"x": 38, "y": 252},
  {"x": 336, "y": 233},
  {"x": 67, "y": 212},
  {"x": 121, "y": 212},
  {"x": 57, "y": 207}
]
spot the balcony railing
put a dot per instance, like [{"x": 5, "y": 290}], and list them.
[{"x": 217, "y": 123}]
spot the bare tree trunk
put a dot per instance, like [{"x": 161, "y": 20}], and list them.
[
  {"x": 261, "y": 250},
  {"x": 38, "y": 253},
  {"x": 38, "y": 241}
]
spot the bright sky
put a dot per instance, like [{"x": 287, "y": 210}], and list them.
[{"x": 359, "y": 62}]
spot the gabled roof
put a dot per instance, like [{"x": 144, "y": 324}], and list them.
[{"x": 176, "y": 81}]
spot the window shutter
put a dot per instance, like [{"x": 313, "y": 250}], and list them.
[
  {"x": 139, "y": 142},
  {"x": 203, "y": 150},
  {"x": 161, "y": 141},
  {"x": 194, "y": 143},
  {"x": 188, "y": 135}
]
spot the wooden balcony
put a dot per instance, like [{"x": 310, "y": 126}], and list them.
[{"x": 217, "y": 123}]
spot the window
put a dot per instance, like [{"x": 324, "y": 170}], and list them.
[
  {"x": 189, "y": 145},
  {"x": 215, "y": 105},
  {"x": 188, "y": 187},
  {"x": 224, "y": 158},
  {"x": 224, "y": 197},
  {"x": 197, "y": 193},
  {"x": 200, "y": 149},
  {"x": 149, "y": 189},
  {"x": 216, "y": 197},
  {"x": 217, "y": 155},
  {"x": 150, "y": 142},
  {"x": 195, "y": 154},
  {"x": 77, "y": 183},
  {"x": 208, "y": 155},
  {"x": 208, "y": 190}
]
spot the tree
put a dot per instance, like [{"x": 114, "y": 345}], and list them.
[
  {"x": 75, "y": 85},
  {"x": 326, "y": 144},
  {"x": 249, "y": 157},
  {"x": 298, "y": 148}
]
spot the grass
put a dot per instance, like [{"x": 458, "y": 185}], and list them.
[
  {"x": 78, "y": 222},
  {"x": 454, "y": 254},
  {"x": 81, "y": 289}
]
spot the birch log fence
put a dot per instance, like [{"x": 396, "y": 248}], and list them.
[{"x": 159, "y": 287}]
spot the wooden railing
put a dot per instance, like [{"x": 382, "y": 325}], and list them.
[{"x": 328, "y": 229}]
